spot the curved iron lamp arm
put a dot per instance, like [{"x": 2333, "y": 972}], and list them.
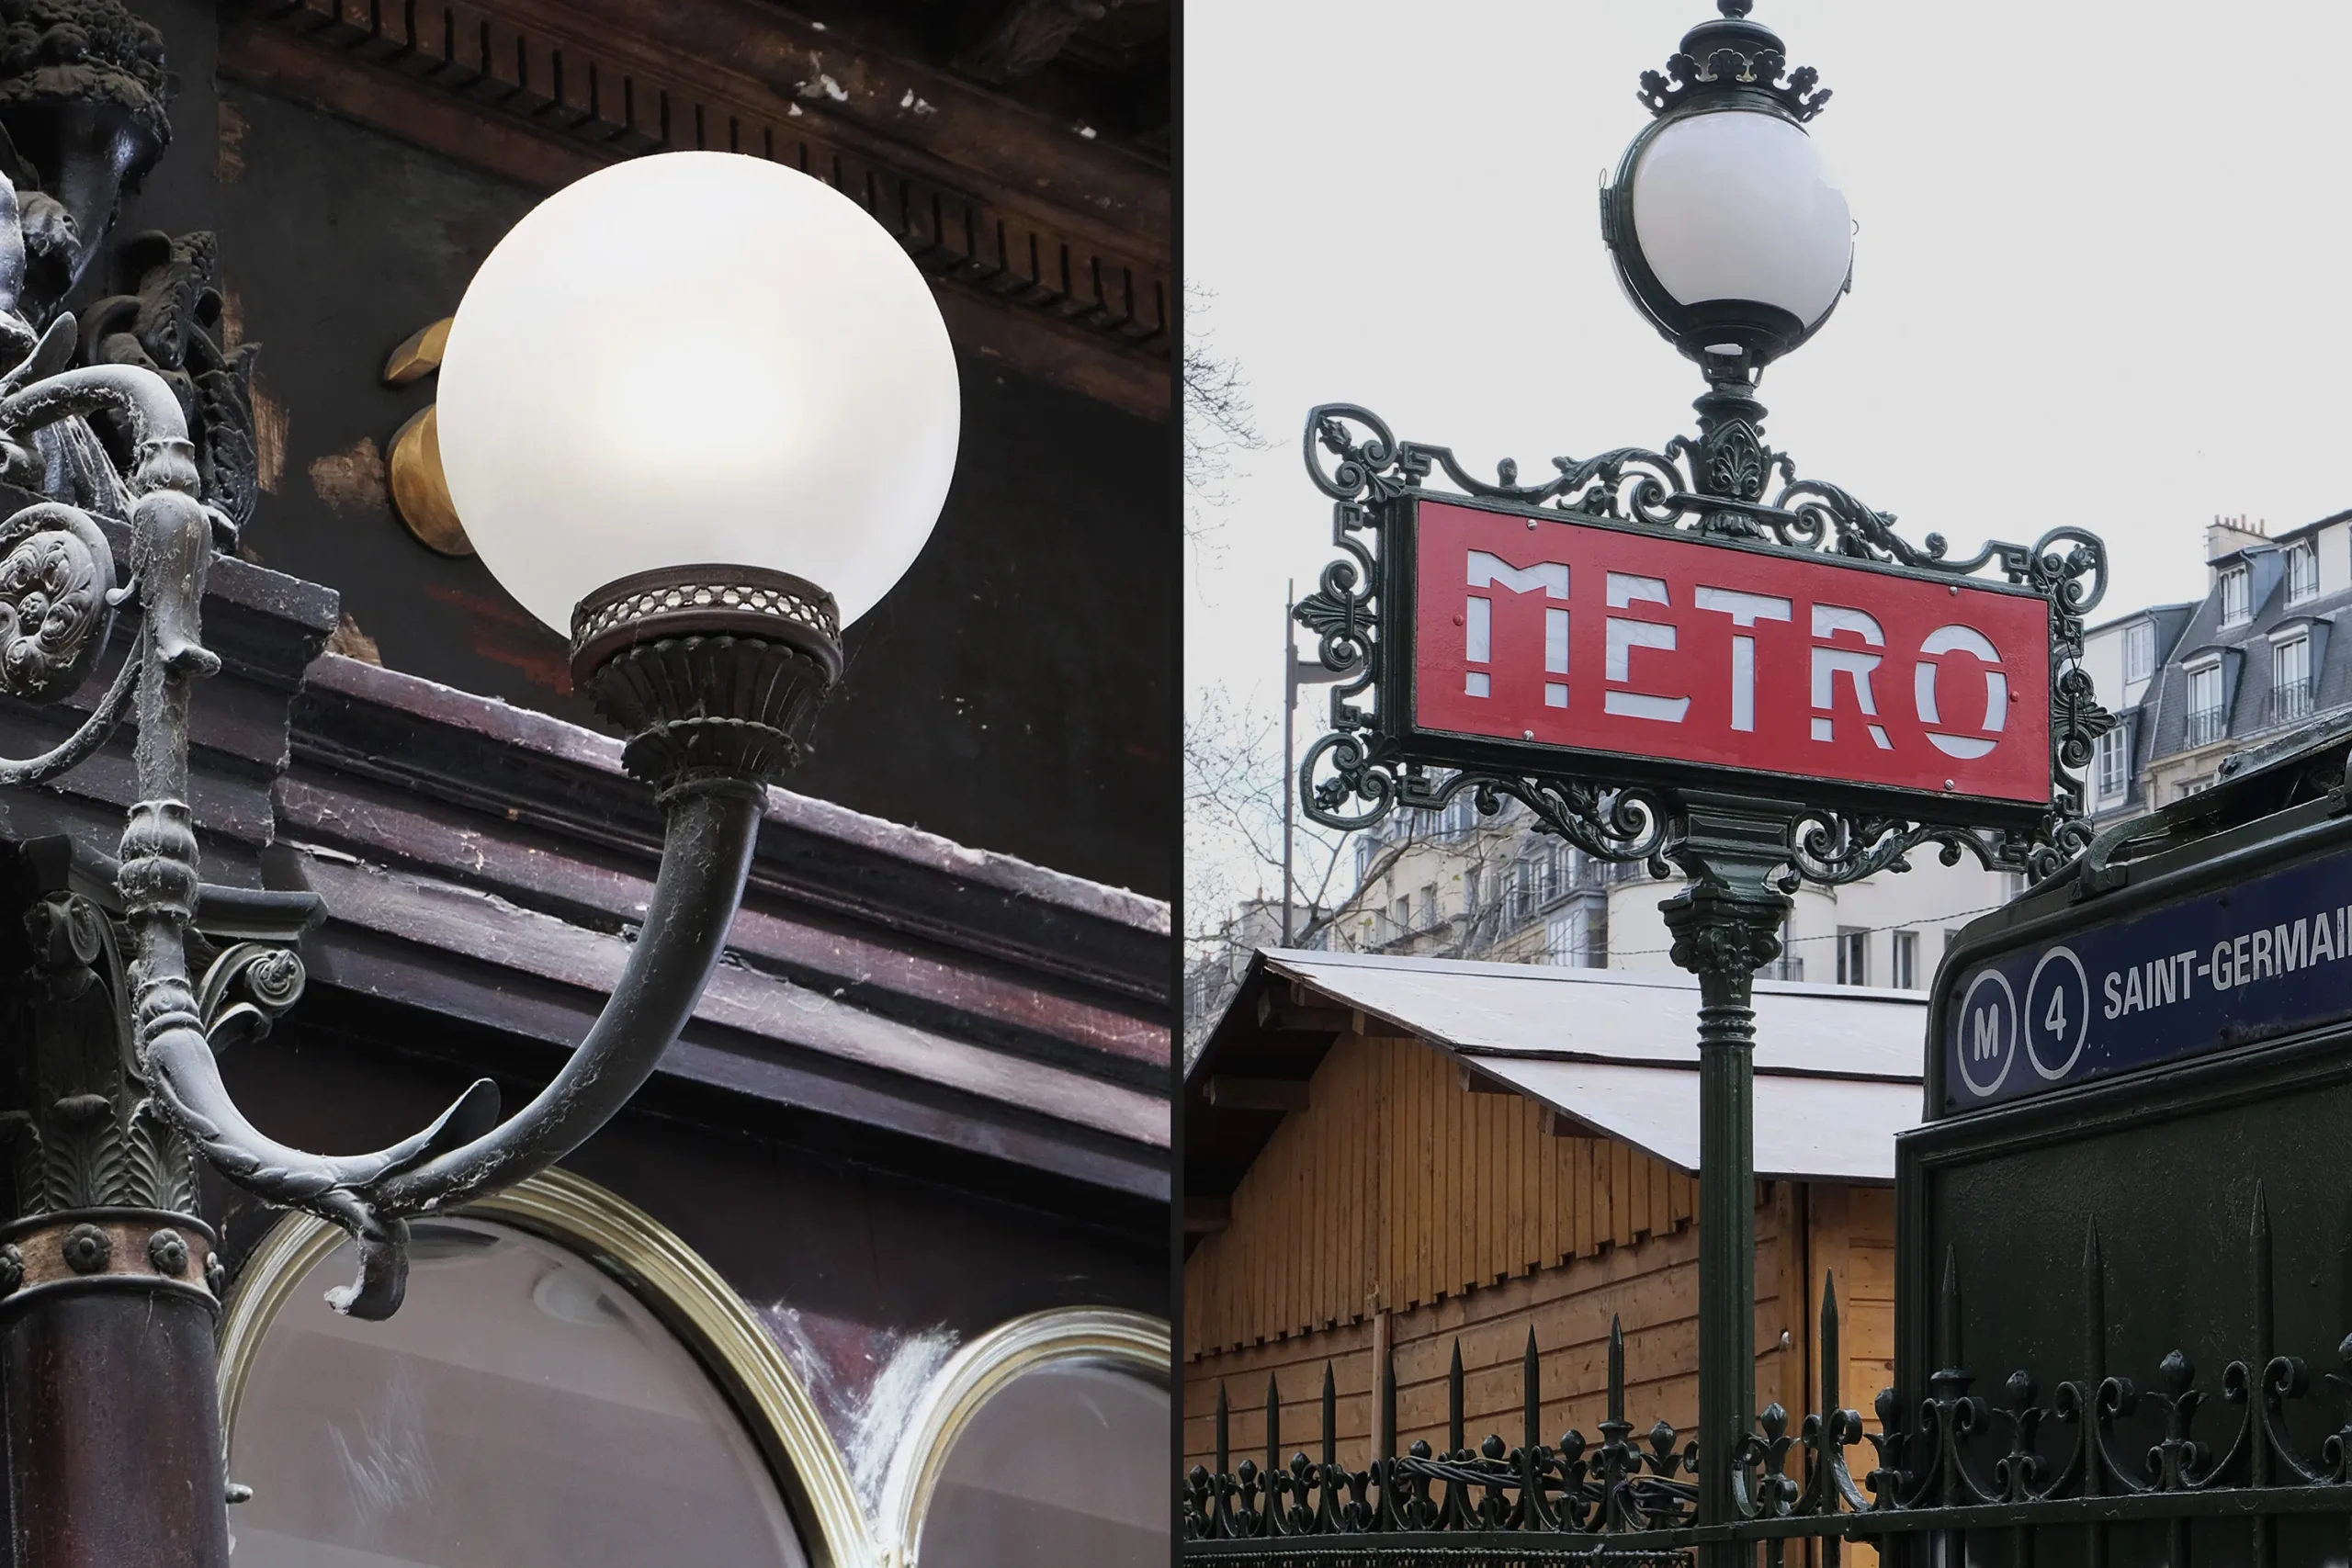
[
  {"x": 467, "y": 1151},
  {"x": 713, "y": 671}
]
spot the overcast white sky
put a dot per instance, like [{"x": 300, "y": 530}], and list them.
[{"x": 2103, "y": 273}]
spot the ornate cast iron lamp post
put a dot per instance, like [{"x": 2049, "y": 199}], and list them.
[
  {"x": 1594, "y": 645},
  {"x": 700, "y": 458},
  {"x": 1731, "y": 235}
]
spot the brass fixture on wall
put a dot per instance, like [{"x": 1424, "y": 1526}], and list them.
[{"x": 420, "y": 493}]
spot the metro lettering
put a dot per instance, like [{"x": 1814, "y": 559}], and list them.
[
  {"x": 1626, "y": 634},
  {"x": 1478, "y": 619},
  {"x": 1680, "y": 649}
]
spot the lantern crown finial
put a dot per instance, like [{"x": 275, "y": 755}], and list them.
[{"x": 1731, "y": 56}]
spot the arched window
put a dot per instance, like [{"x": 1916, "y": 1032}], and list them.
[
  {"x": 566, "y": 1384},
  {"x": 1043, "y": 1443}
]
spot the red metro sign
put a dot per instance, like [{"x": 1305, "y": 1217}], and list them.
[{"x": 1644, "y": 644}]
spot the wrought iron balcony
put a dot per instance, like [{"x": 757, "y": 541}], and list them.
[
  {"x": 2289, "y": 702},
  {"x": 2208, "y": 725}
]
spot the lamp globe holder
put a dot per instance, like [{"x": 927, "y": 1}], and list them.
[
  {"x": 714, "y": 673},
  {"x": 1728, "y": 231},
  {"x": 700, "y": 445}
]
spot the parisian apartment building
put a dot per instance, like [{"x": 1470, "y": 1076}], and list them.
[{"x": 2188, "y": 682}]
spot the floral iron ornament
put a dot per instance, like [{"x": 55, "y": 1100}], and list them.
[
  {"x": 1724, "y": 485},
  {"x": 713, "y": 673}
]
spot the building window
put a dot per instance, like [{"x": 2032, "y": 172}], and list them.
[
  {"x": 2302, "y": 573},
  {"x": 2139, "y": 650},
  {"x": 1906, "y": 961},
  {"x": 1853, "y": 956},
  {"x": 2290, "y": 681},
  {"x": 1565, "y": 941},
  {"x": 1094, "y": 1405},
  {"x": 1401, "y": 919},
  {"x": 599, "y": 1438},
  {"x": 1367, "y": 849},
  {"x": 2206, "y": 721},
  {"x": 1470, "y": 890},
  {"x": 1428, "y": 908},
  {"x": 2237, "y": 607},
  {"x": 1559, "y": 866},
  {"x": 2111, "y": 766}
]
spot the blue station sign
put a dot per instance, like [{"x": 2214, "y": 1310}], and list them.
[{"x": 2263, "y": 957}]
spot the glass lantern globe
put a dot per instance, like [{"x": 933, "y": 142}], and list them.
[
  {"x": 1741, "y": 234},
  {"x": 695, "y": 359}
]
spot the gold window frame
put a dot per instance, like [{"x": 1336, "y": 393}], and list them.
[
  {"x": 669, "y": 1278},
  {"x": 1130, "y": 1341}
]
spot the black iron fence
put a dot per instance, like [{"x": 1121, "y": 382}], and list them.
[{"x": 2254, "y": 1469}]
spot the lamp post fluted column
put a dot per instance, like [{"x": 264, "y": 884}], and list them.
[{"x": 1726, "y": 925}]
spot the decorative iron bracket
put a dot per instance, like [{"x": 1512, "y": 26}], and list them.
[{"x": 714, "y": 678}]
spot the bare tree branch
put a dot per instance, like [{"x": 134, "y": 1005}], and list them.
[{"x": 1218, "y": 420}]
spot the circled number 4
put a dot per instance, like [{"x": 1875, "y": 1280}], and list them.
[{"x": 2055, "y": 1020}]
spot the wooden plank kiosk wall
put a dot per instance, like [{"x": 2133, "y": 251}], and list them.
[{"x": 1402, "y": 1206}]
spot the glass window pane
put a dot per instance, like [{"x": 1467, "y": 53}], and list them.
[
  {"x": 1066, "y": 1467},
  {"x": 522, "y": 1410}
]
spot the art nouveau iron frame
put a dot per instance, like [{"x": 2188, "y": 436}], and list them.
[{"x": 1712, "y": 489}]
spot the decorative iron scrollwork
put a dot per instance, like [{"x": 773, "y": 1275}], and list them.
[
  {"x": 173, "y": 999},
  {"x": 244, "y": 990},
  {"x": 1725, "y": 482},
  {"x": 170, "y": 319},
  {"x": 56, "y": 577},
  {"x": 1761, "y": 71}
]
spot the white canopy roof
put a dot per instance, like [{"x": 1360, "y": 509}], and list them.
[{"x": 1838, "y": 1067}]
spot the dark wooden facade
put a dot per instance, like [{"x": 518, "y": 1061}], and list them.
[
  {"x": 358, "y": 161},
  {"x": 929, "y": 1087}
]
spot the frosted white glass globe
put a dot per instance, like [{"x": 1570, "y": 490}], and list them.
[
  {"x": 1739, "y": 205},
  {"x": 697, "y": 358}
]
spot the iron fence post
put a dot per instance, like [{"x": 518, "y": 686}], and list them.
[{"x": 1726, "y": 925}]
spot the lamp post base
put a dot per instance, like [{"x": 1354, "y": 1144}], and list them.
[{"x": 106, "y": 1371}]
